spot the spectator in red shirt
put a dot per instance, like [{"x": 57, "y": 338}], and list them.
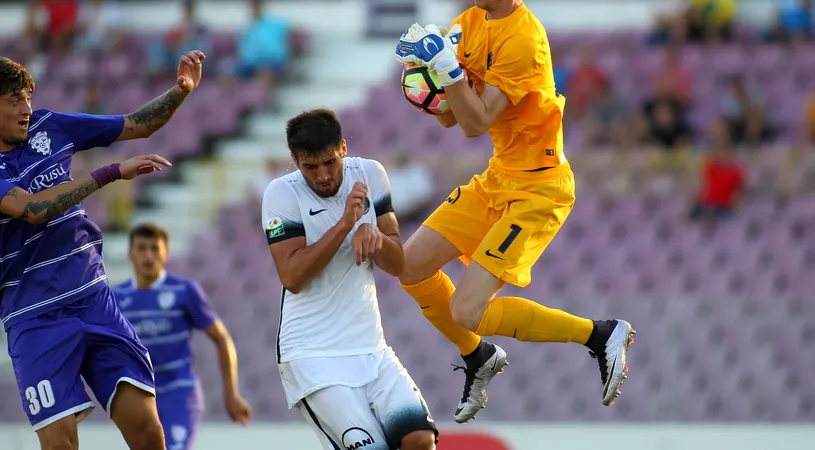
[
  {"x": 60, "y": 23},
  {"x": 163, "y": 52},
  {"x": 586, "y": 84},
  {"x": 674, "y": 76},
  {"x": 722, "y": 185}
]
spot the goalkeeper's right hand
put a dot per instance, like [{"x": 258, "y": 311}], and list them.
[{"x": 454, "y": 34}]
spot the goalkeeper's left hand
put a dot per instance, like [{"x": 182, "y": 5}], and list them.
[{"x": 431, "y": 47}]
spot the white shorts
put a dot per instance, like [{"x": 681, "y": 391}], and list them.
[{"x": 375, "y": 415}]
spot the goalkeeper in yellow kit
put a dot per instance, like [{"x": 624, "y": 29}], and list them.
[{"x": 512, "y": 210}]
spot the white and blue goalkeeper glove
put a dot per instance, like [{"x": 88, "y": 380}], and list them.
[{"x": 433, "y": 48}]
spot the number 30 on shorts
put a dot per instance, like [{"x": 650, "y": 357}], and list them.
[{"x": 44, "y": 400}]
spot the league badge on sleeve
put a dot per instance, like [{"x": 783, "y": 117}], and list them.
[{"x": 275, "y": 228}]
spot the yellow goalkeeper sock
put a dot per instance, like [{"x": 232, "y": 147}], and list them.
[
  {"x": 433, "y": 296},
  {"x": 526, "y": 320}
]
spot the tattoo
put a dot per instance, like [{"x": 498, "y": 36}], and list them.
[
  {"x": 156, "y": 113},
  {"x": 62, "y": 203},
  {"x": 12, "y": 192}
]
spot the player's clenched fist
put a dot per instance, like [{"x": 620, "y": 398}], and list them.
[
  {"x": 355, "y": 204},
  {"x": 367, "y": 242},
  {"x": 142, "y": 164}
]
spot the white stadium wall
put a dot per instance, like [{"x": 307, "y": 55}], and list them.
[{"x": 484, "y": 436}]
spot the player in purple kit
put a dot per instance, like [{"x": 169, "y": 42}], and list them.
[
  {"x": 56, "y": 305},
  {"x": 164, "y": 310}
]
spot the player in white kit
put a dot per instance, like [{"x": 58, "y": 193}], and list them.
[{"x": 327, "y": 225}]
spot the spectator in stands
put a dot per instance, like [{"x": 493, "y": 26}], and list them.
[
  {"x": 666, "y": 128},
  {"x": 794, "y": 22},
  {"x": 101, "y": 26},
  {"x": 412, "y": 187},
  {"x": 742, "y": 112},
  {"x": 609, "y": 121},
  {"x": 586, "y": 82},
  {"x": 263, "y": 49},
  {"x": 190, "y": 33},
  {"x": 722, "y": 180},
  {"x": 675, "y": 78},
  {"x": 52, "y": 24},
  {"x": 668, "y": 19},
  {"x": 665, "y": 116},
  {"x": 710, "y": 21},
  {"x": 275, "y": 168},
  {"x": 809, "y": 122},
  {"x": 94, "y": 102},
  {"x": 560, "y": 71}
]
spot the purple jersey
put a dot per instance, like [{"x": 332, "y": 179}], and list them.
[
  {"x": 48, "y": 265},
  {"x": 164, "y": 317}
]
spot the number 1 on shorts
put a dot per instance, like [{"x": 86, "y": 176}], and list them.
[{"x": 515, "y": 230}]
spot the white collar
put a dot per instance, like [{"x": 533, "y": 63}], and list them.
[{"x": 159, "y": 281}]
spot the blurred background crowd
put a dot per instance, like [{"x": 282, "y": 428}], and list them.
[
  {"x": 696, "y": 83},
  {"x": 690, "y": 134}
]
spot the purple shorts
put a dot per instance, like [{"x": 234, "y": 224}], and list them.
[{"x": 88, "y": 339}]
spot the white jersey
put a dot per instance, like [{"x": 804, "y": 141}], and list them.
[{"x": 336, "y": 313}]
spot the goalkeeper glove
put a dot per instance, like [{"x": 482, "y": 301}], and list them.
[{"x": 431, "y": 47}]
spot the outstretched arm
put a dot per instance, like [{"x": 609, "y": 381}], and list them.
[
  {"x": 48, "y": 203},
  {"x": 155, "y": 114},
  {"x": 152, "y": 116}
]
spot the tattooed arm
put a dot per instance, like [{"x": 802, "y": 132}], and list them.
[
  {"x": 48, "y": 203},
  {"x": 51, "y": 202},
  {"x": 152, "y": 116}
]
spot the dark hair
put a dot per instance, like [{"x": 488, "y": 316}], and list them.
[
  {"x": 149, "y": 231},
  {"x": 14, "y": 77},
  {"x": 313, "y": 132}
]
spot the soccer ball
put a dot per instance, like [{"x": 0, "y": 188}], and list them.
[{"x": 421, "y": 89}]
